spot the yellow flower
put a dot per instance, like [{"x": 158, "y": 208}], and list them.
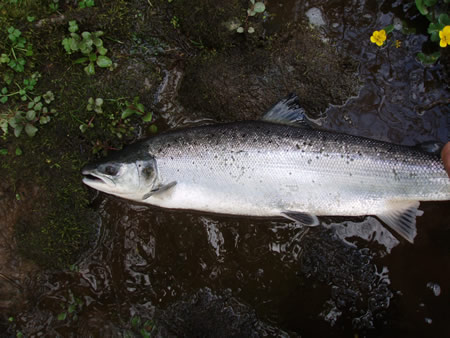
[
  {"x": 378, "y": 37},
  {"x": 445, "y": 36}
]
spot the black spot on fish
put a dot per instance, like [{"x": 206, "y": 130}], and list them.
[
  {"x": 309, "y": 161},
  {"x": 297, "y": 146}
]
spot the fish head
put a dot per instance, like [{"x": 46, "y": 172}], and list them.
[{"x": 127, "y": 174}]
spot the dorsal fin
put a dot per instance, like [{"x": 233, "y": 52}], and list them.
[{"x": 287, "y": 111}]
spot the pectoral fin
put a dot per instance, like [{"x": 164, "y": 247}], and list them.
[
  {"x": 402, "y": 218},
  {"x": 159, "y": 190},
  {"x": 302, "y": 217}
]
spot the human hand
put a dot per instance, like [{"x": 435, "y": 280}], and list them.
[{"x": 445, "y": 155}]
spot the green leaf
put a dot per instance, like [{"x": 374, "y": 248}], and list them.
[
  {"x": 421, "y": 7},
  {"x": 71, "y": 308},
  {"x": 444, "y": 19},
  {"x": 128, "y": 112},
  {"x": 135, "y": 321},
  {"x": 30, "y": 130},
  {"x": 38, "y": 106},
  {"x": 3, "y": 99},
  {"x": 430, "y": 3},
  {"x": 92, "y": 57},
  {"x": 251, "y": 30},
  {"x": 98, "y": 101},
  {"x": 102, "y": 50},
  {"x": 97, "y": 42},
  {"x": 389, "y": 29},
  {"x": 83, "y": 128},
  {"x": 90, "y": 69},
  {"x": 147, "y": 117},
  {"x": 140, "y": 107},
  {"x": 73, "y": 44},
  {"x": 19, "y": 151},
  {"x": 434, "y": 36},
  {"x": 62, "y": 316},
  {"x": 428, "y": 59},
  {"x": 4, "y": 90},
  {"x": 31, "y": 114},
  {"x": 104, "y": 61},
  {"x": 73, "y": 26},
  {"x": 31, "y": 18},
  {"x": 434, "y": 27},
  {"x": 44, "y": 119},
  {"x": 4, "y": 58},
  {"x": 86, "y": 35},
  {"x": 48, "y": 96},
  {"x": 3, "y": 152},
  {"x": 18, "y": 130},
  {"x": 81, "y": 60},
  {"x": 66, "y": 43},
  {"x": 259, "y": 7},
  {"x": 240, "y": 30}
]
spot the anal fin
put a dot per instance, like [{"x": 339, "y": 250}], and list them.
[
  {"x": 402, "y": 218},
  {"x": 302, "y": 217}
]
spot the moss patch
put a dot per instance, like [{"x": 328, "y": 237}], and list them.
[{"x": 58, "y": 227}]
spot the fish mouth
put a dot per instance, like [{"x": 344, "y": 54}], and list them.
[{"x": 91, "y": 178}]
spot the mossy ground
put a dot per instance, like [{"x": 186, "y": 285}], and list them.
[{"x": 60, "y": 226}]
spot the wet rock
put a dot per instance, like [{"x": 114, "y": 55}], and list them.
[
  {"x": 207, "y": 22},
  {"x": 359, "y": 292},
  {"x": 15, "y": 271},
  {"x": 243, "y": 84},
  {"x": 206, "y": 314}
]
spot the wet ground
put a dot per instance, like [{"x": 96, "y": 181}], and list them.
[{"x": 174, "y": 273}]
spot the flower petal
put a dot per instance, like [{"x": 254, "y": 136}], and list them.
[{"x": 443, "y": 43}]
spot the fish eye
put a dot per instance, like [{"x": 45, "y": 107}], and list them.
[
  {"x": 147, "y": 171},
  {"x": 111, "y": 170}
]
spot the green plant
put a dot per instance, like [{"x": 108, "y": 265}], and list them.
[
  {"x": 117, "y": 121},
  {"x": 54, "y": 5},
  {"x": 145, "y": 329},
  {"x": 71, "y": 308},
  {"x": 175, "y": 22},
  {"x": 35, "y": 113},
  {"x": 254, "y": 8},
  {"x": 86, "y": 3},
  {"x": 18, "y": 50},
  {"x": 436, "y": 13},
  {"x": 88, "y": 44}
]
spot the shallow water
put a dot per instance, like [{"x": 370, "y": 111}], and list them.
[{"x": 212, "y": 275}]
